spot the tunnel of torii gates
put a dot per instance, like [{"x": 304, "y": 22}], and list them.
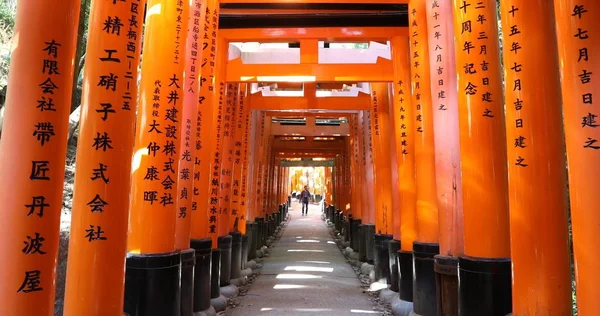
[{"x": 457, "y": 180}]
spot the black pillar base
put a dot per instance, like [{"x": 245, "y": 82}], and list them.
[
  {"x": 355, "y": 235},
  {"x": 382, "y": 257},
  {"x": 253, "y": 242},
  {"x": 202, "y": 273},
  {"x": 370, "y": 242},
  {"x": 446, "y": 279},
  {"x": 393, "y": 248},
  {"x": 215, "y": 278},
  {"x": 224, "y": 243},
  {"x": 142, "y": 273},
  {"x": 347, "y": 231},
  {"x": 188, "y": 262},
  {"x": 484, "y": 286},
  {"x": 236, "y": 255},
  {"x": 425, "y": 293},
  {"x": 362, "y": 243},
  {"x": 405, "y": 274},
  {"x": 245, "y": 242},
  {"x": 259, "y": 229}
]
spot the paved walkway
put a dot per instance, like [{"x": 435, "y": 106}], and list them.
[{"x": 305, "y": 274}]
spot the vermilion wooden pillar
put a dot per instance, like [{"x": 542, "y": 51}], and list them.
[
  {"x": 536, "y": 159},
  {"x": 98, "y": 242},
  {"x": 32, "y": 154},
  {"x": 578, "y": 47},
  {"x": 405, "y": 156},
  {"x": 151, "y": 240},
  {"x": 227, "y": 158},
  {"x": 484, "y": 166},
  {"x": 426, "y": 246}
]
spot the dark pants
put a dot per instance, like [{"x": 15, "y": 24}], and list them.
[{"x": 305, "y": 207}]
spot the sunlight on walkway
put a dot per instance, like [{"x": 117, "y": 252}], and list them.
[{"x": 305, "y": 274}]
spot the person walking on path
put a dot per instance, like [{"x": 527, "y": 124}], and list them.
[{"x": 304, "y": 197}]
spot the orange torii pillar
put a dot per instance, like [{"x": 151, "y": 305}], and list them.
[
  {"x": 426, "y": 246},
  {"x": 577, "y": 47},
  {"x": 405, "y": 155},
  {"x": 381, "y": 128},
  {"x": 248, "y": 184},
  {"x": 32, "y": 155},
  {"x": 152, "y": 256},
  {"x": 185, "y": 180},
  {"x": 356, "y": 179},
  {"x": 230, "y": 242},
  {"x": 362, "y": 156},
  {"x": 369, "y": 227},
  {"x": 484, "y": 269},
  {"x": 200, "y": 221},
  {"x": 102, "y": 181},
  {"x": 541, "y": 282},
  {"x": 447, "y": 152},
  {"x": 394, "y": 244},
  {"x": 237, "y": 222}
]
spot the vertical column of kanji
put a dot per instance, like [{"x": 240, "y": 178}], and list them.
[
  {"x": 191, "y": 92},
  {"x": 151, "y": 240},
  {"x": 240, "y": 127},
  {"x": 483, "y": 157},
  {"x": 32, "y": 154},
  {"x": 105, "y": 147},
  {"x": 227, "y": 165},
  {"x": 225, "y": 233},
  {"x": 577, "y": 44},
  {"x": 405, "y": 156},
  {"x": 266, "y": 167},
  {"x": 248, "y": 184},
  {"x": 445, "y": 129},
  {"x": 380, "y": 131},
  {"x": 426, "y": 246},
  {"x": 370, "y": 225},
  {"x": 259, "y": 141},
  {"x": 362, "y": 161},
  {"x": 538, "y": 221},
  {"x": 357, "y": 193},
  {"x": 210, "y": 111},
  {"x": 191, "y": 87},
  {"x": 369, "y": 164},
  {"x": 198, "y": 209}
]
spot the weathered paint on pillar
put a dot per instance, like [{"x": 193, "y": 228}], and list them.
[
  {"x": 536, "y": 156},
  {"x": 204, "y": 126},
  {"x": 578, "y": 52},
  {"x": 227, "y": 165},
  {"x": 156, "y": 150},
  {"x": 97, "y": 243},
  {"x": 191, "y": 90},
  {"x": 370, "y": 177},
  {"x": 445, "y": 126},
  {"x": 405, "y": 141},
  {"x": 380, "y": 131},
  {"x": 32, "y": 154},
  {"x": 482, "y": 132},
  {"x": 427, "y": 208}
]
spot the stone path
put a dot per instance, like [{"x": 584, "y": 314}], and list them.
[{"x": 305, "y": 274}]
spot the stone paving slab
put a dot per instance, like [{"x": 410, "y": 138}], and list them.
[{"x": 305, "y": 274}]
